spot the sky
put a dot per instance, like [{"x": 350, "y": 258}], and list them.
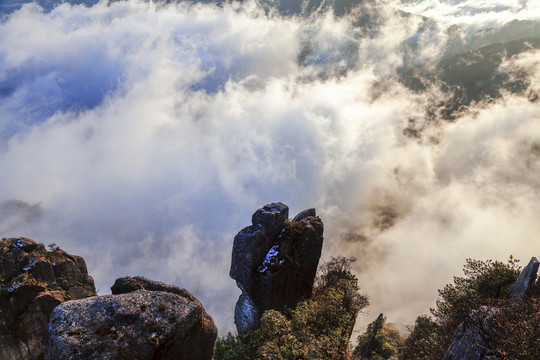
[{"x": 142, "y": 137}]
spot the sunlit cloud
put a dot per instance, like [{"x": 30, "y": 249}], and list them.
[
  {"x": 475, "y": 14},
  {"x": 143, "y": 136}
]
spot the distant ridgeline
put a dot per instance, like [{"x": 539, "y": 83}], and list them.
[
  {"x": 466, "y": 72},
  {"x": 469, "y": 71},
  {"x": 285, "y": 7}
]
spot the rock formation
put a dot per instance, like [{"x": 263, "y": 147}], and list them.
[
  {"x": 468, "y": 343},
  {"x": 525, "y": 281},
  {"x": 33, "y": 281},
  {"x": 143, "y": 319},
  {"x": 129, "y": 284},
  {"x": 274, "y": 262}
]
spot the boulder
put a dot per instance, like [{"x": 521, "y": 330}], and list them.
[
  {"x": 129, "y": 284},
  {"x": 274, "y": 262},
  {"x": 32, "y": 282},
  {"x": 525, "y": 282},
  {"x": 304, "y": 214},
  {"x": 168, "y": 323},
  {"x": 246, "y": 314}
]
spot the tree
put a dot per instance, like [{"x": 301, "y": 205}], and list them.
[
  {"x": 427, "y": 340},
  {"x": 379, "y": 342},
  {"x": 485, "y": 283},
  {"x": 233, "y": 347}
]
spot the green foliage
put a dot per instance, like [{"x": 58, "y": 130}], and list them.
[
  {"x": 428, "y": 340},
  {"x": 485, "y": 283},
  {"x": 276, "y": 338},
  {"x": 336, "y": 274},
  {"x": 318, "y": 328},
  {"x": 53, "y": 247},
  {"x": 382, "y": 344},
  {"x": 292, "y": 230},
  {"x": 233, "y": 347}
]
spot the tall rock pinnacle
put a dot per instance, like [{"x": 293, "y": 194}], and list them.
[{"x": 274, "y": 262}]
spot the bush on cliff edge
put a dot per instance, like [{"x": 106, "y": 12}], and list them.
[{"x": 318, "y": 328}]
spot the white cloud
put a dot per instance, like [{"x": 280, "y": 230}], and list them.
[
  {"x": 150, "y": 134},
  {"x": 475, "y": 14}
]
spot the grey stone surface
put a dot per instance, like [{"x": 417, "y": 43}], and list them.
[
  {"x": 246, "y": 315},
  {"x": 525, "y": 281},
  {"x": 304, "y": 214},
  {"x": 467, "y": 343},
  {"x": 129, "y": 284},
  {"x": 136, "y": 325}
]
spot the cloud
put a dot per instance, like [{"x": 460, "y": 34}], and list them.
[
  {"x": 15, "y": 213},
  {"x": 148, "y": 135},
  {"x": 475, "y": 199},
  {"x": 473, "y": 14}
]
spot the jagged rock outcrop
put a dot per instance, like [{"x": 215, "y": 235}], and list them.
[
  {"x": 144, "y": 319},
  {"x": 32, "y": 282},
  {"x": 468, "y": 343},
  {"x": 274, "y": 262},
  {"x": 525, "y": 281}
]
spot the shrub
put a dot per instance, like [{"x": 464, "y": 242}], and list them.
[
  {"x": 485, "y": 283},
  {"x": 318, "y": 328},
  {"x": 378, "y": 342},
  {"x": 234, "y": 347}
]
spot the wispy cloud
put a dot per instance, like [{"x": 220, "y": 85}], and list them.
[{"x": 148, "y": 134}]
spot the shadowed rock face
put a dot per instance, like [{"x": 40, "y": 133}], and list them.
[
  {"x": 33, "y": 281},
  {"x": 274, "y": 262},
  {"x": 467, "y": 343},
  {"x": 134, "y": 323},
  {"x": 525, "y": 281}
]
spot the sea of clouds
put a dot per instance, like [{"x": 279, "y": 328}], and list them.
[{"x": 143, "y": 136}]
